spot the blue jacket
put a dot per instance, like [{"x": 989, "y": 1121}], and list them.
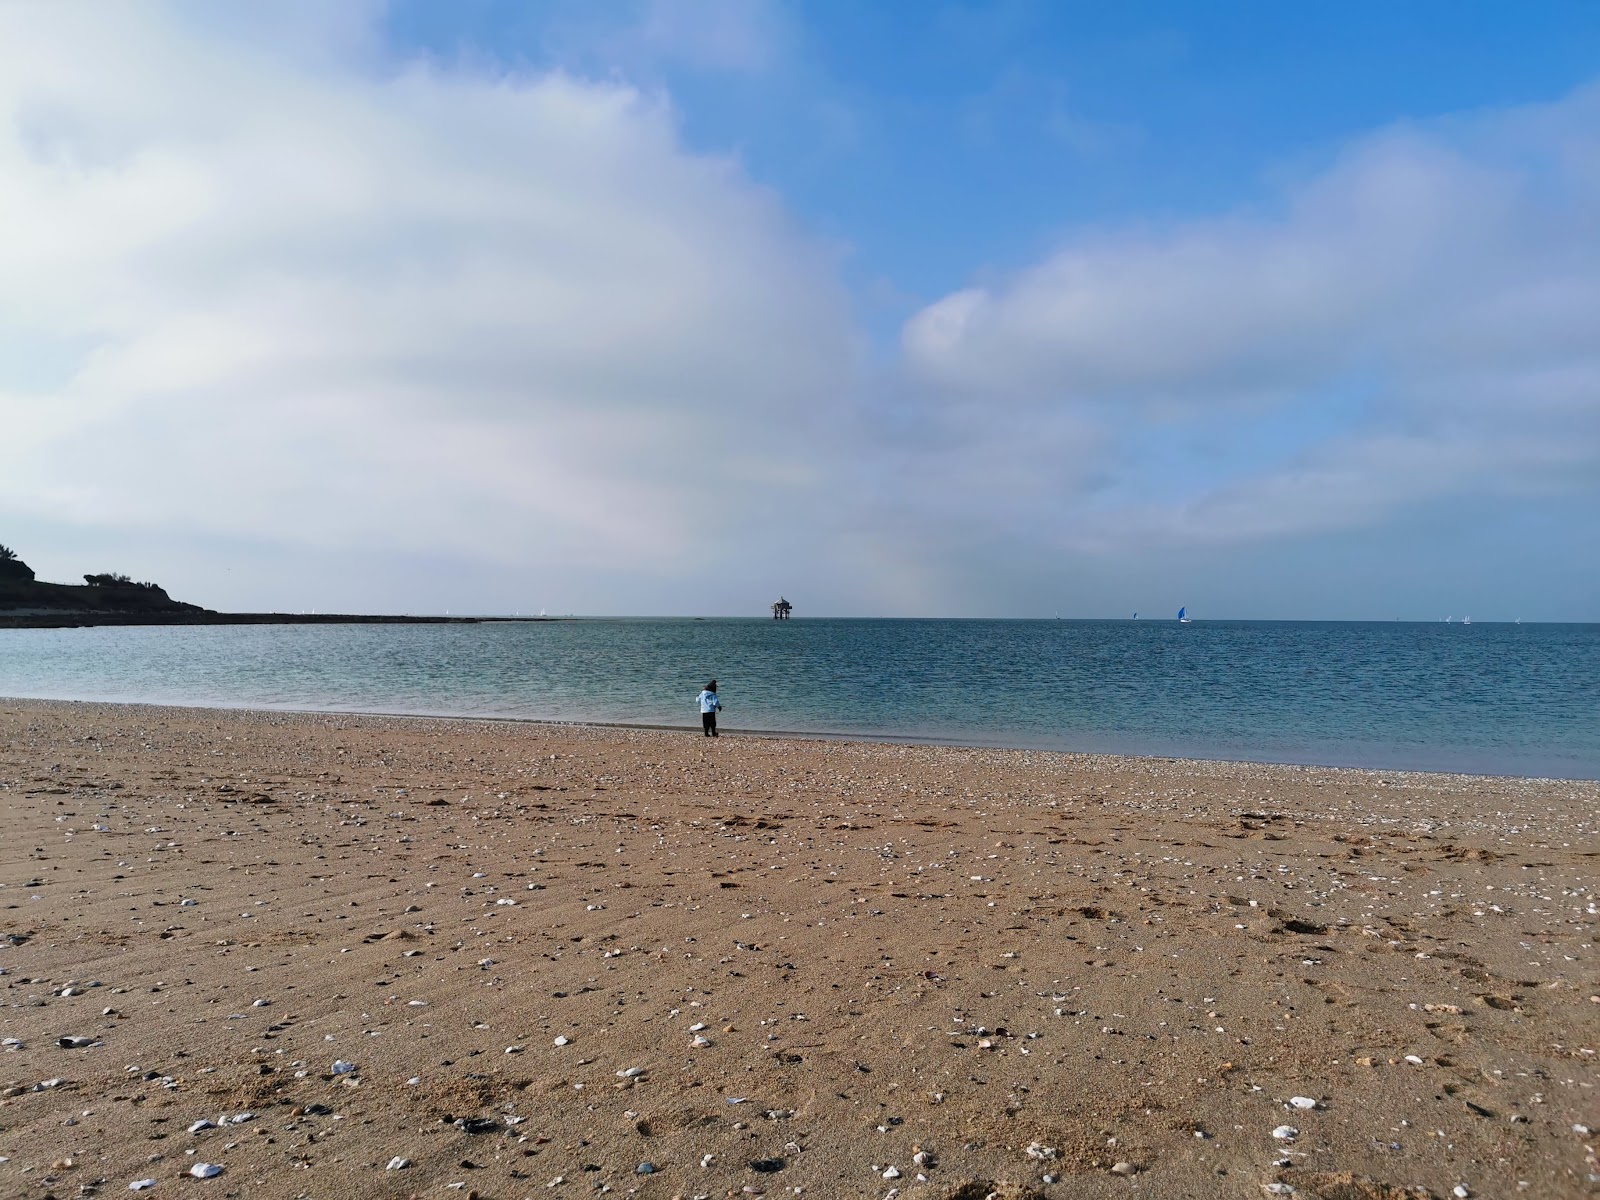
[{"x": 709, "y": 702}]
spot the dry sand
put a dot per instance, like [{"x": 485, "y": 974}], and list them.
[{"x": 566, "y": 961}]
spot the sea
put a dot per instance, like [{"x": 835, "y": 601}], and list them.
[{"x": 1500, "y": 699}]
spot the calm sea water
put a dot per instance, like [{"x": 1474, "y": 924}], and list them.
[{"x": 1504, "y": 699}]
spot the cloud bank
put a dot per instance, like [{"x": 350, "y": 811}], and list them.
[
  {"x": 1442, "y": 282},
  {"x": 506, "y": 316}
]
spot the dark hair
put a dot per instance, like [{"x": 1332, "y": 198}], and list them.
[{"x": 712, "y": 686}]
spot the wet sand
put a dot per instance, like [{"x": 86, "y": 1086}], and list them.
[{"x": 567, "y": 961}]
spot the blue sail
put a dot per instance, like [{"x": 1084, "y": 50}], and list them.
[{"x": 1181, "y": 611}]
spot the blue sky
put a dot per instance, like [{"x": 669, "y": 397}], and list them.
[
  {"x": 942, "y": 140},
  {"x": 924, "y": 309}
]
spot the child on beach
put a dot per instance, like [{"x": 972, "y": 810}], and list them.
[{"x": 709, "y": 704}]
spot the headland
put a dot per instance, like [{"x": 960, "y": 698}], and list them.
[{"x": 117, "y": 599}]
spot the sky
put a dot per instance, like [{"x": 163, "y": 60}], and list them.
[{"x": 670, "y": 307}]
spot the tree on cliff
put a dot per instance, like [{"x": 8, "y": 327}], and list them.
[{"x": 7, "y": 554}]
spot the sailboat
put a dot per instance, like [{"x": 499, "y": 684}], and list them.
[{"x": 1183, "y": 618}]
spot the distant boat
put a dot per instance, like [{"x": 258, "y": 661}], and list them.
[{"x": 1183, "y": 618}]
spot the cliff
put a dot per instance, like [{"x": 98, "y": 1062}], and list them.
[
  {"x": 26, "y": 603},
  {"x": 26, "y": 600}
]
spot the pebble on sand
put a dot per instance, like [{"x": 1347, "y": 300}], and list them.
[{"x": 205, "y": 1170}]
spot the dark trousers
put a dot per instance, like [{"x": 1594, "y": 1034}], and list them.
[{"x": 708, "y": 722}]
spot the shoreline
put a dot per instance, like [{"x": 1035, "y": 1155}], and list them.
[
  {"x": 868, "y": 738},
  {"x": 554, "y": 955}
]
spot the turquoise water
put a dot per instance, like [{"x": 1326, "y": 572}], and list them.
[{"x": 1502, "y": 699}]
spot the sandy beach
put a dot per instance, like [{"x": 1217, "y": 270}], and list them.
[{"x": 338, "y": 955}]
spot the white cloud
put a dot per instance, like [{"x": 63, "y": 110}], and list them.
[
  {"x": 282, "y": 298},
  {"x": 1450, "y": 272},
  {"x": 1220, "y": 305}
]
